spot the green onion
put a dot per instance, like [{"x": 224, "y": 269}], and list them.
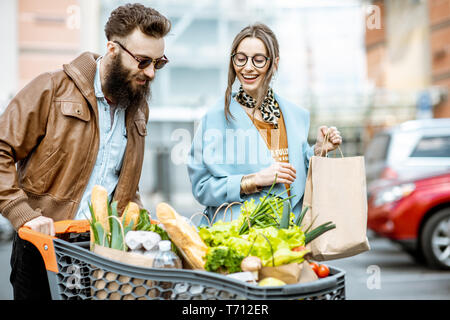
[
  {"x": 310, "y": 236},
  {"x": 266, "y": 208},
  {"x": 300, "y": 217},
  {"x": 284, "y": 224}
]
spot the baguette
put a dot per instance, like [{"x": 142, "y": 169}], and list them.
[{"x": 184, "y": 236}]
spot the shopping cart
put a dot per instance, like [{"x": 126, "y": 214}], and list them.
[{"x": 76, "y": 273}]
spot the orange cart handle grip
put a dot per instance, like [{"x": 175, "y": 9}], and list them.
[
  {"x": 72, "y": 226},
  {"x": 44, "y": 242}
]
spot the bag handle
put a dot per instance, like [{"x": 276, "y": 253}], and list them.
[
  {"x": 210, "y": 221},
  {"x": 326, "y": 151},
  {"x": 231, "y": 209},
  {"x": 229, "y": 205},
  {"x": 200, "y": 213}
]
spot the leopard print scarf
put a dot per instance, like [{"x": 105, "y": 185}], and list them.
[{"x": 270, "y": 110}]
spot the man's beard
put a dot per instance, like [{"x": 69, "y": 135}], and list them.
[{"x": 119, "y": 86}]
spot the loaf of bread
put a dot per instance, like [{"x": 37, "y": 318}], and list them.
[{"x": 184, "y": 236}]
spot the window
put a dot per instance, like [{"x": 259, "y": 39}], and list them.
[{"x": 432, "y": 147}]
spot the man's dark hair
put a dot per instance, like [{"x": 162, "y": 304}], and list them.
[{"x": 125, "y": 19}]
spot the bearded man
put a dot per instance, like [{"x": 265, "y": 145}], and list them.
[{"x": 74, "y": 128}]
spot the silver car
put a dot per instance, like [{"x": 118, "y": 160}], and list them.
[{"x": 412, "y": 149}]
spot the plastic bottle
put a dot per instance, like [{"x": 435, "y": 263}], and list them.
[
  {"x": 151, "y": 253},
  {"x": 165, "y": 258}
]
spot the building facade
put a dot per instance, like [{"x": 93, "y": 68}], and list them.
[{"x": 408, "y": 61}]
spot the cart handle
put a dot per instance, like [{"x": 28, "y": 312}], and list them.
[{"x": 44, "y": 242}]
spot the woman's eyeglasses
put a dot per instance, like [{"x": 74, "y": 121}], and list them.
[
  {"x": 258, "y": 60},
  {"x": 145, "y": 62}
]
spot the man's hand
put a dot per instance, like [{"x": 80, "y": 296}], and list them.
[
  {"x": 285, "y": 172},
  {"x": 333, "y": 141},
  {"x": 41, "y": 224}
]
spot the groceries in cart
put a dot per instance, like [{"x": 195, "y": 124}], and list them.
[
  {"x": 134, "y": 232},
  {"x": 267, "y": 238},
  {"x": 265, "y": 245}
]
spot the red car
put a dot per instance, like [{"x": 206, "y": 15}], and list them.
[{"x": 415, "y": 214}]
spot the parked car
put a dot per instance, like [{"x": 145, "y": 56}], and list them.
[
  {"x": 407, "y": 151},
  {"x": 416, "y": 214}
]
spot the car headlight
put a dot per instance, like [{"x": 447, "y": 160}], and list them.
[{"x": 393, "y": 194}]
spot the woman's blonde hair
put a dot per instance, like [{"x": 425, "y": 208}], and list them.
[{"x": 266, "y": 35}]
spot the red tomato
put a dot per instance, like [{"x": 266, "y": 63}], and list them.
[
  {"x": 315, "y": 267},
  {"x": 323, "y": 271},
  {"x": 299, "y": 248}
]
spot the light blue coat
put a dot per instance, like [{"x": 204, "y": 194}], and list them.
[{"x": 223, "y": 152}]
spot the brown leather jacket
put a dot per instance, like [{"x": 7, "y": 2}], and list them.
[{"x": 50, "y": 129}]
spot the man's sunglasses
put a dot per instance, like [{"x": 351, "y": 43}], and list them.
[{"x": 145, "y": 62}]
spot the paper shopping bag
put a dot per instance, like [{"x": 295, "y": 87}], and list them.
[
  {"x": 307, "y": 273},
  {"x": 336, "y": 191},
  {"x": 289, "y": 273}
]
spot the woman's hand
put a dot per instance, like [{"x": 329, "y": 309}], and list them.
[
  {"x": 285, "y": 172},
  {"x": 333, "y": 141}
]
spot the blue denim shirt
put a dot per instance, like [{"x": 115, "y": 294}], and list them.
[{"x": 113, "y": 141}]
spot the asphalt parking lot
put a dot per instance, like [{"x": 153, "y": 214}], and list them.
[{"x": 388, "y": 273}]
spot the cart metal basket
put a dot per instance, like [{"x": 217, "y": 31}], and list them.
[{"x": 76, "y": 273}]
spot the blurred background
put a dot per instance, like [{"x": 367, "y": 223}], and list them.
[
  {"x": 358, "y": 65},
  {"x": 366, "y": 67}
]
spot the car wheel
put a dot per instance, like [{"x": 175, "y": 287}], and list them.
[{"x": 436, "y": 240}]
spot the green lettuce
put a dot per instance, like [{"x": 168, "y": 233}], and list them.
[
  {"x": 274, "y": 245},
  {"x": 219, "y": 232},
  {"x": 223, "y": 258}
]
